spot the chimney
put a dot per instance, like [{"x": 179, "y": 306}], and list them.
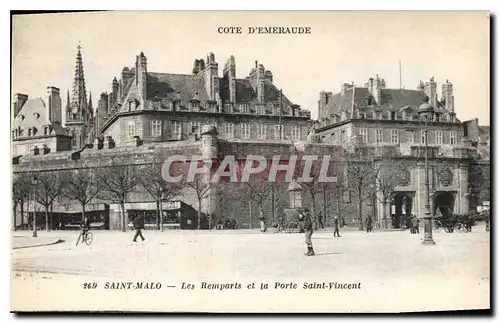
[
  {"x": 54, "y": 105},
  {"x": 211, "y": 77},
  {"x": 344, "y": 88},
  {"x": 323, "y": 100},
  {"x": 447, "y": 96},
  {"x": 19, "y": 101},
  {"x": 230, "y": 77},
  {"x": 430, "y": 90}
]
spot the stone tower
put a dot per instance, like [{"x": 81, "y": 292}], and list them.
[{"x": 79, "y": 113}]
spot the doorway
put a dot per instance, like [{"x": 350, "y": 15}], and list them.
[
  {"x": 443, "y": 204},
  {"x": 401, "y": 210}
]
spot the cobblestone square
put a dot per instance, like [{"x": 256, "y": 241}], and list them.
[{"x": 394, "y": 271}]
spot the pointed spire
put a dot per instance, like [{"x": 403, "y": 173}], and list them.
[
  {"x": 68, "y": 105},
  {"x": 79, "y": 93},
  {"x": 90, "y": 101}
]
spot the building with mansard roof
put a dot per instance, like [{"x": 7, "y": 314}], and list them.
[
  {"x": 37, "y": 126},
  {"x": 145, "y": 106},
  {"x": 386, "y": 122}
]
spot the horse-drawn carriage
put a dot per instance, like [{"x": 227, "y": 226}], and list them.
[{"x": 448, "y": 222}]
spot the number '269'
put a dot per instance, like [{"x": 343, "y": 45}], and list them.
[{"x": 90, "y": 285}]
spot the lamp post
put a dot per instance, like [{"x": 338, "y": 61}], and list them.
[
  {"x": 34, "y": 181},
  {"x": 426, "y": 116}
]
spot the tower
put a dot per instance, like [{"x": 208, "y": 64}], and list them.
[{"x": 79, "y": 114}]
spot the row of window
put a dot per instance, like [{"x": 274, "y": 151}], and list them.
[
  {"x": 384, "y": 115},
  {"x": 246, "y": 130},
  {"x": 410, "y": 135},
  {"x": 31, "y": 132}
]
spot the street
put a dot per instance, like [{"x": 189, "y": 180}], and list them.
[{"x": 393, "y": 271}]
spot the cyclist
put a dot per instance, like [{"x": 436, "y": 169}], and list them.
[{"x": 85, "y": 226}]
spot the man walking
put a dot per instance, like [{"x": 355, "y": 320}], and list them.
[
  {"x": 138, "y": 226},
  {"x": 308, "y": 228},
  {"x": 336, "y": 224}
]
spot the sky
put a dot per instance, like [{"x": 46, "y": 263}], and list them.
[{"x": 343, "y": 47}]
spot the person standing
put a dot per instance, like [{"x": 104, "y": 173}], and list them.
[
  {"x": 308, "y": 229},
  {"x": 138, "y": 226},
  {"x": 320, "y": 220},
  {"x": 368, "y": 224},
  {"x": 336, "y": 224}
]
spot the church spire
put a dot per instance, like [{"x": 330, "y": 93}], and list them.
[{"x": 79, "y": 93}]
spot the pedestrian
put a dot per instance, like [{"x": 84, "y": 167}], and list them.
[
  {"x": 487, "y": 220},
  {"x": 368, "y": 224},
  {"x": 262, "y": 219},
  {"x": 308, "y": 229},
  {"x": 336, "y": 224},
  {"x": 414, "y": 224},
  {"x": 138, "y": 226},
  {"x": 320, "y": 220}
]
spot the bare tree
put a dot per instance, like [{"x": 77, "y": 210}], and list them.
[
  {"x": 119, "y": 181},
  {"x": 21, "y": 188},
  {"x": 202, "y": 187},
  {"x": 359, "y": 175},
  {"x": 389, "y": 173},
  {"x": 49, "y": 186},
  {"x": 158, "y": 188},
  {"x": 82, "y": 187}
]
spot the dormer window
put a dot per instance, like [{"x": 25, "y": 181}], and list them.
[
  {"x": 393, "y": 115},
  {"x": 45, "y": 130},
  {"x": 194, "y": 105},
  {"x": 175, "y": 105},
  {"x": 36, "y": 151},
  {"x": 244, "y": 108},
  {"x": 260, "y": 110},
  {"x": 30, "y": 132},
  {"x": 361, "y": 115},
  {"x": 130, "y": 106},
  {"x": 369, "y": 101},
  {"x": 37, "y": 115}
]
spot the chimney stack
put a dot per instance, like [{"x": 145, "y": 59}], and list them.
[{"x": 19, "y": 101}]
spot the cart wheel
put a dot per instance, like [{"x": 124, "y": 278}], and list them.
[
  {"x": 437, "y": 227},
  {"x": 459, "y": 227}
]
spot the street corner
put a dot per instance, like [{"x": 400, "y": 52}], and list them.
[{"x": 20, "y": 242}]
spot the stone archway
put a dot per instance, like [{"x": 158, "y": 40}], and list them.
[
  {"x": 443, "y": 204},
  {"x": 401, "y": 209}
]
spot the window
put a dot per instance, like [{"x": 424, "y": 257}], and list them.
[
  {"x": 176, "y": 129},
  {"x": 334, "y": 138},
  {"x": 277, "y": 134},
  {"x": 244, "y": 108},
  {"x": 362, "y": 115},
  {"x": 245, "y": 131},
  {"x": 30, "y": 131},
  {"x": 394, "y": 136},
  {"x": 229, "y": 130},
  {"x": 380, "y": 135},
  {"x": 453, "y": 138},
  {"x": 410, "y": 136},
  {"x": 261, "y": 109},
  {"x": 422, "y": 136},
  {"x": 45, "y": 130},
  {"x": 131, "y": 129},
  {"x": 363, "y": 135},
  {"x": 262, "y": 131},
  {"x": 393, "y": 115},
  {"x": 295, "y": 133},
  {"x": 194, "y": 105},
  {"x": 156, "y": 128},
  {"x": 342, "y": 135},
  {"x": 195, "y": 127},
  {"x": 439, "y": 137},
  {"x": 36, "y": 151},
  {"x": 369, "y": 101}
]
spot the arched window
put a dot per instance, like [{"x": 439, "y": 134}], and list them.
[
  {"x": 45, "y": 130},
  {"x": 30, "y": 132}
]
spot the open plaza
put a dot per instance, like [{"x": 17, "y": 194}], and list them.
[{"x": 392, "y": 269}]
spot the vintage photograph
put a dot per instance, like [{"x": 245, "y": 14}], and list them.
[{"x": 250, "y": 162}]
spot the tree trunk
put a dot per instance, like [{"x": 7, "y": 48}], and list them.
[
  {"x": 250, "y": 209},
  {"x": 360, "y": 205},
  {"x": 199, "y": 213},
  {"x": 158, "y": 215},
  {"x": 83, "y": 211},
  {"x": 123, "y": 222},
  {"x": 338, "y": 212},
  {"x": 384, "y": 212},
  {"x": 47, "y": 218},
  {"x": 22, "y": 214},
  {"x": 14, "y": 215},
  {"x": 325, "y": 218},
  {"x": 313, "y": 209}
]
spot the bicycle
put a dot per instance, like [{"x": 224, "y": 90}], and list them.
[{"x": 87, "y": 238}]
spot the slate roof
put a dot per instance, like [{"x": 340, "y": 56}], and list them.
[
  {"x": 166, "y": 85},
  {"x": 34, "y": 114},
  {"x": 390, "y": 99}
]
